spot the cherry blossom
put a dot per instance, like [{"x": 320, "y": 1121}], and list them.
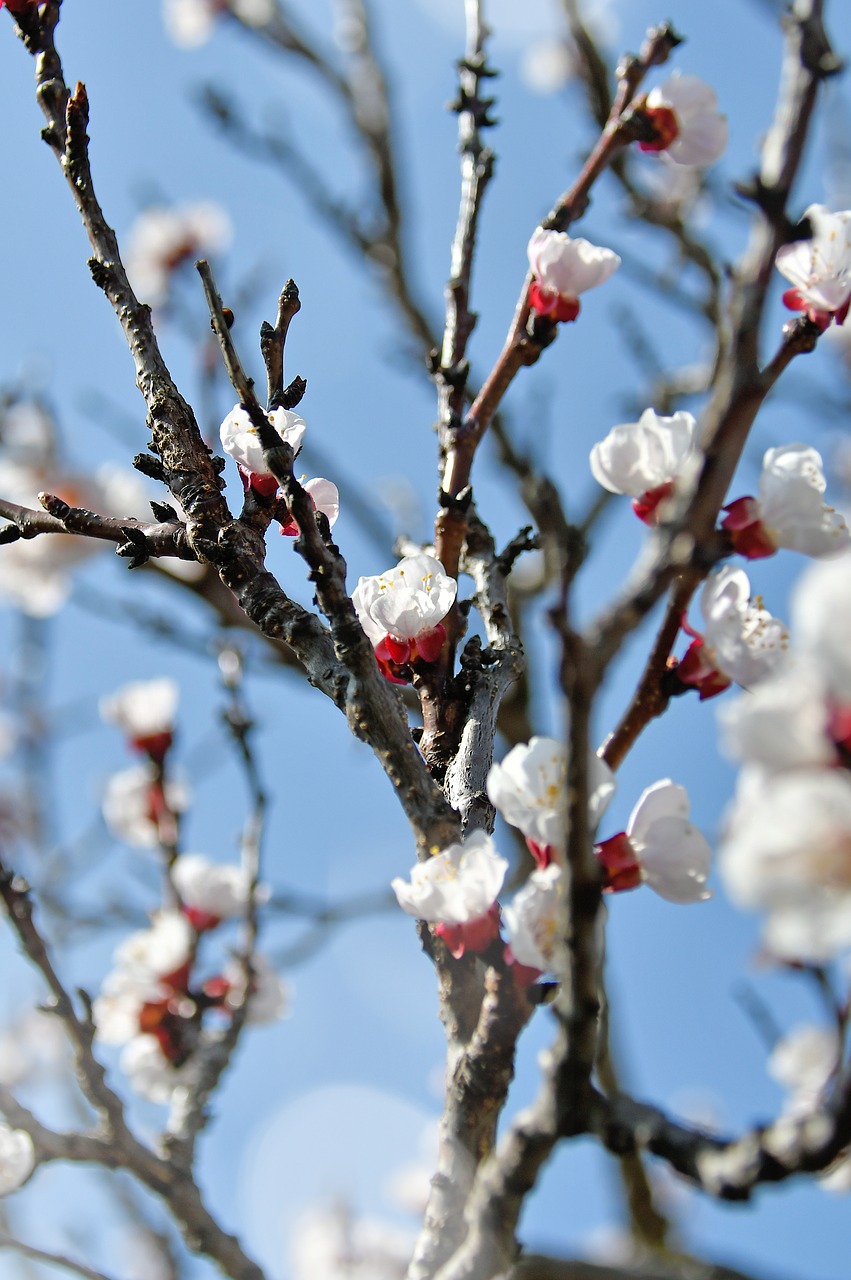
[
  {"x": 144, "y": 711},
  {"x": 140, "y": 807},
  {"x": 149, "y": 1073},
  {"x": 164, "y": 238},
  {"x": 529, "y": 788},
  {"x": 240, "y": 438},
  {"x": 821, "y": 617},
  {"x": 649, "y": 460},
  {"x": 211, "y": 892},
  {"x": 563, "y": 268},
  {"x": 820, "y": 267},
  {"x": 790, "y": 511},
  {"x": 783, "y": 724},
  {"x": 689, "y": 128},
  {"x": 806, "y": 1061},
  {"x": 35, "y": 572},
  {"x": 456, "y": 891},
  {"x": 402, "y": 612},
  {"x": 17, "y": 1158},
  {"x": 659, "y": 848},
  {"x": 741, "y": 640},
  {"x": 268, "y": 994},
  {"x": 533, "y": 921},
  {"x": 785, "y": 853},
  {"x": 162, "y": 949},
  {"x": 190, "y": 23},
  {"x": 325, "y": 497}
]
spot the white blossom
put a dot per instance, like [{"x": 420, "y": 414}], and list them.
[
  {"x": 821, "y": 621},
  {"x": 143, "y": 708},
  {"x": 164, "y": 237},
  {"x": 158, "y": 951},
  {"x": 149, "y": 1072},
  {"x": 414, "y": 596},
  {"x": 533, "y": 920},
  {"x": 213, "y": 888},
  {"x": 529, "y": 788},
  {"x": 636, "y": 457},
  {"x": 268, "y": 993},
  {"x": 325, "y": 497},
  {"x": 701, "y": 130},
  {"x": 241, "y": 440},
  {"x": 568, "y": 267},
  {"x": 820, "y": 268},
  {"x": 782, "y": 724},
  {"x": 456, "y": 886},
  {"x": 127, "y": 804},
  {"x": 791, "y": 509},
  {"x": 743, "y": 640},
  {"x": 787, "y": 852},
  {"x": 803, "y": 1062},
  {"x": 673, "y": 856},
  {"x": 17, "y": 1158},
  {"x": 119, "y": 1004},
  {"x": 547, "y": 65},
  {"x": 329, "y": 1243}
]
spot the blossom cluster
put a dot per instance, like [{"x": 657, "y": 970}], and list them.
[
  {"x": 153, "y": 1003},
  {"x": 785, "y": 850},
  {"x": 456, "y": 890},
  {"x": 35, "y": 573},
  {"x": 241, "y": 440}
]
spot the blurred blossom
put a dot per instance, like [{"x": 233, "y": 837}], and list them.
[
  {"x": 27, "y": 432},
  {"x": 806, "y": 1061},
  {"x": 135, "y": 805},
  {"x": 34, "y": 572},
  {"x": 533, "y": 921},
  {"x": 142, "y": 709},
  {"x": 213, "y": 889},
  {"x": 329, "y": 1243},
  {"x": 690, "y": 128},
  {"x": 821, "y": 620},
  {"x": 148, "y": 1072},
  {"x": 164, "y": 238},
  {"x": 268, "y": 993},
  {"x": 190, "y": 22},
  {"x": 782, "y": 724},
  {"x": 547, "y": 65},
  {"x": 17, "y": 1159},
  {"x": 785, "y": 853}
]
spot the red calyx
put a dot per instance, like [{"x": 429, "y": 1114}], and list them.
[
  {"x": 475, "y": 935},
  {"x": 155, "y": 745},
  {"x": 525, "y": 975},
  {"x": 664, "y": 125},
  {"x": 542, "y": 853},
  {"x": 428, "y": 644},
  {"x": 265, "y": 484},
  {"x": 748, "y": 534},
  {"x": 555, "y": 306},
  {"x": 646, "y": 507},
  {"x": 620, "y": 865},
  {"x": 793, "y": 300},
  {"x": 201, "y": 921},
  {"x": 698, "y": 672},
  {"x": 393, "y": 671}
]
